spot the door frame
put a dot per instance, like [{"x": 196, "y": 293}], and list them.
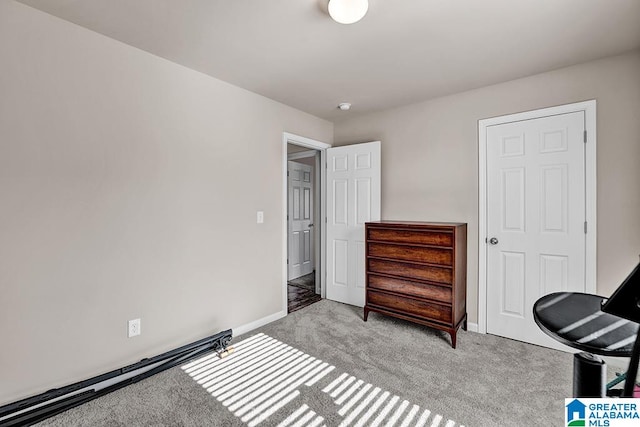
[
  {"x": 313, "y": 202},
  {"x": 290, "y": 138},
  {"x": 301, "y": 155},
  {"x": 589, "y": 109}
]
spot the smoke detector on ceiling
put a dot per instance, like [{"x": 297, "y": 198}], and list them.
[{"x": 344, "y": 106}]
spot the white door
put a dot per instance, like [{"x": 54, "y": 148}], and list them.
[
  {"x": 535, "y": 219},
  {"x": 300, "y": 223},
  {"x": 353, "y": 198}
]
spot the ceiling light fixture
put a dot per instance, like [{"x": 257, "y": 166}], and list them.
[
  {"x": 348, "y": 11},
  {"x": 344, "y": 106}
]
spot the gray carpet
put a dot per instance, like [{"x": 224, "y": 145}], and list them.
[{"x": 486, "y": 381}]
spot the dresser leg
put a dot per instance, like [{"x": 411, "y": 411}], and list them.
[
  {"x": 366, "y": 313},
  {"x": 453, "y": 339},
  {"x": 464, "y": 324}
]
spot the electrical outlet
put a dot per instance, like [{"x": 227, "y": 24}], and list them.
[{"x": 134, "y": 328}]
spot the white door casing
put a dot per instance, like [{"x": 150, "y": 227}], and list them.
[
  {"x": 536, "y": 207},
  {"x": 300, "y": 219},
  {"x": 353, "y": 198}
]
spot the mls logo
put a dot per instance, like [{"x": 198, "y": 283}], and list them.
[
  {"x": 602, "y": 412},
  {"x": 576, "y": 413}
]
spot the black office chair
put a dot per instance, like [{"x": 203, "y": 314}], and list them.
[{"x": 597, "y": 326}]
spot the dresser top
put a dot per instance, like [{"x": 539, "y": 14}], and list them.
[{"x": 416, "y": 223}]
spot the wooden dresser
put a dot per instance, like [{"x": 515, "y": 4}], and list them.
[{"x": 417, "y": 271}]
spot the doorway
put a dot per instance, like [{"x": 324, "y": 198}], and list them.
[
  {"x": 303, "y": 200},
  {"x": 301, "y": 239},
  {"x": 536, "y": 215},
  {"x": 348, "y": 194},
  {"x": 300, "y": 216}
]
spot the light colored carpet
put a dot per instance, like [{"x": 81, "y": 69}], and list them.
[{"x": 486, "y": 381}]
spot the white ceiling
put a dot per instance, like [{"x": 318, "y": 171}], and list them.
[{"x": 403, "y": 51}]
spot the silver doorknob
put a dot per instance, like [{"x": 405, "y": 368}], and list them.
[{"x": 493, "y": 241}]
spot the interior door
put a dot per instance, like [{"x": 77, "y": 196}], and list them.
[
  {"x": 300, "y": 223},
  {"x": 535, "y": 219},
  {"x": 353, "y": 198}
]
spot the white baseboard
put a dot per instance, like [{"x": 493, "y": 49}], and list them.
[
  {"x": 472, "y": 327},
  {"x": 243, "y": 329}
]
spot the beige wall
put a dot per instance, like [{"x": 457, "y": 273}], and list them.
[
  {"x": 430, "y": 155},
  {"x": 129, "y": 188}
]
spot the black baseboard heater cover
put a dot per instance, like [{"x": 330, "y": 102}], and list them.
[{"x": 41, "y": 406}]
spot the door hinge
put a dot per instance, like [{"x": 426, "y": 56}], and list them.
[
  {"x": 287, "y": 260},
  {"x": 585, "y": 136},
  {"x": 287, "y": 173},
  {"x": 585, "y": 227}
]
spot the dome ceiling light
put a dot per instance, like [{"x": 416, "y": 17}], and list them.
[{"x": 348, "y": 11}]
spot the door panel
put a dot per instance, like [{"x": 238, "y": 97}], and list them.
[
  {"x": 363, "y": 200},
  {"x": 553, "y": 273},
  {"x": 360, "y": 265},
  {"x": 512, "y": 284},
  {"x": 554, "y": 198},
  {"x": 353, "y": 198},
  {"x": 340, "y": 264},
  {"x": 340, "y": 204},
  {"x": 536, "y": 213},
  {"x": 513, "y": 196}
]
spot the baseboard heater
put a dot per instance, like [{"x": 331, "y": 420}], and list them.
[{"x": 39, "y": 407}]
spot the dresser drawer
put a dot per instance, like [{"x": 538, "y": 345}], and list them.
[
  {"x": 416, "y": 289},
  {"x": 441, "y": 256},
  {"x": 422, "y": 272},
  {"x": 422, "y": 237},
  {"x": 425, "y": 309}
]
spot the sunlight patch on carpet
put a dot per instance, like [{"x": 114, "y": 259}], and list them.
[{"x": 264, "y": 377}]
